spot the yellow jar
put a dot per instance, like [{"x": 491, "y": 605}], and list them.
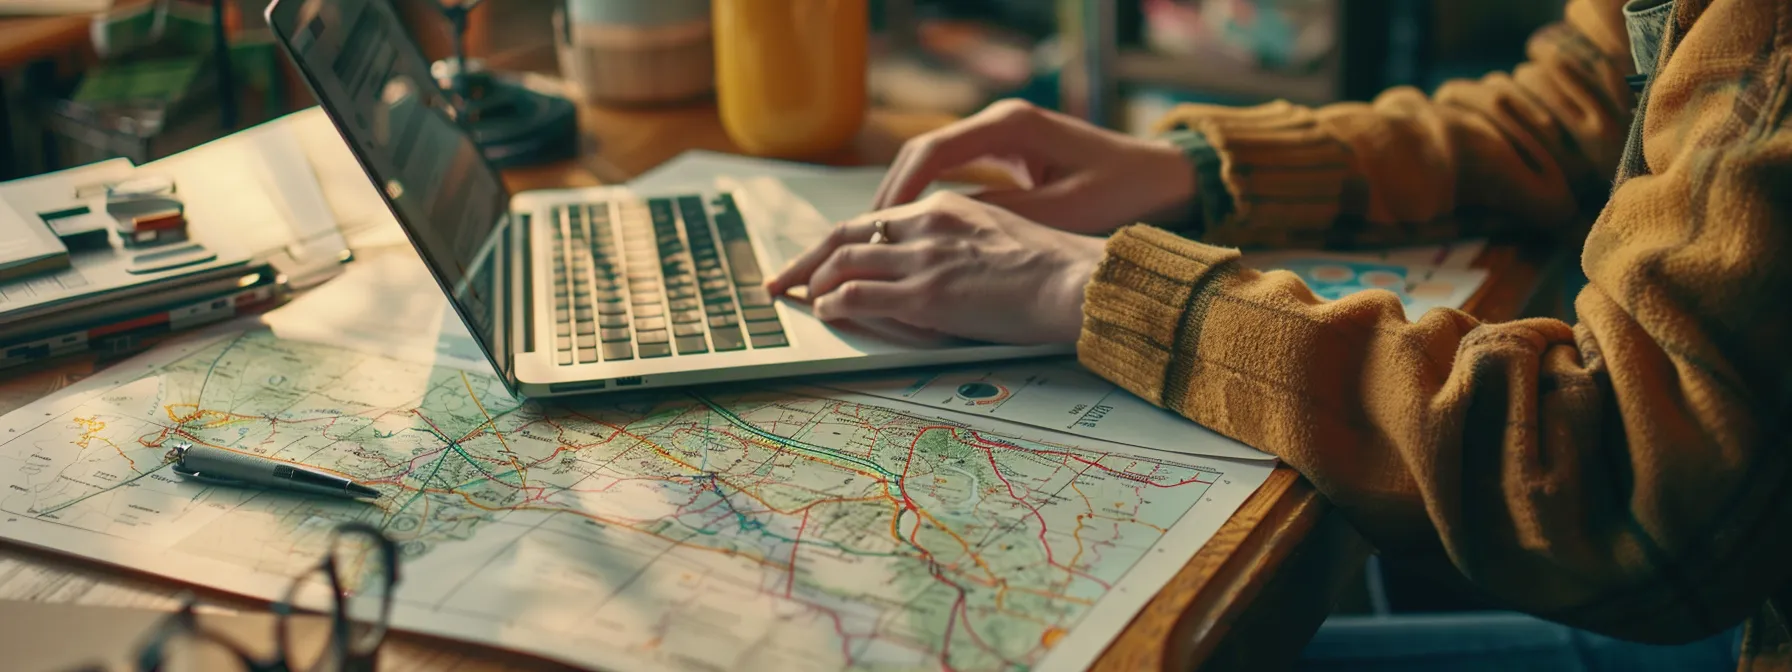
[{"x": 790, "y": 74}]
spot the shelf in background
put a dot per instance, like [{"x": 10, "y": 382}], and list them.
[{"x": 1228, "y": 78}]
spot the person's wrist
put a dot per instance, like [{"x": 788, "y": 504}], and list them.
[
  {"x": 1066, "y": 300},
  {"x": 1173, "y": 183}
]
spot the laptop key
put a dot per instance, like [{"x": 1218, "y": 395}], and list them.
[
  {"x": 617, "y": 308},
  {"x": 614, "y": 335},
  {"x": 588, "y": 340},
  {"x": 776, "y": 340},
  {"x": 757, "y": 314},
  {"x": 562, "y": 342},
  {"x": 692, "y": 345},
  {"x": 754, "y": 297},
  {"x": 725, "y": 305},
  {"x": 583, "y": 313},
  {"x": 655, "y": 336},
  {"x": 650, "y": 323},
  {"x": 616, "y": 351},
  {"x": 649, "y": 310},
  {"x": 562, "y": 315},
  {"x": 586, "y": 328},
  {"x": 684, "y": 292},
  {"x": 765, "y": 327},
  {"x": 565, "y": 357},
  {"x": 718, "y": 321},
  {"x": 688, "y": 329},
  {"x": 644, "y": 297},
  {"x": 684, "y": 304},
  {"x": 651, "y": 350},
  {"x": 612, "y": 321},
  {"x": 684, "y": 316},
  {"x": 587, "y": 356},
  {"x": 742, "y": 262},
  {"x": 563, "y": 329},
  {"x": 727, "y": 338}
]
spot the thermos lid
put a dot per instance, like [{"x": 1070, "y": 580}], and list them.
[{"x": 642, "y": 13}]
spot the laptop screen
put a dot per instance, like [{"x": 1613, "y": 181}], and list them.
[{"x": 374, "y": 83}]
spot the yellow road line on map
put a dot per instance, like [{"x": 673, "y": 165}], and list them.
[{"x": 490, "y": 422}]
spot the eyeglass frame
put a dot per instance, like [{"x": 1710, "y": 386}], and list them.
[{"x": 347, "y": 657}]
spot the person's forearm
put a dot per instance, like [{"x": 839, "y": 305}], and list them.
[
  {"x": 1628, "y": 474},
  {"x": 1535, "y": 147}
]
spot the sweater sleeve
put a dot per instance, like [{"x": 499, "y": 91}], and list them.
[
  {"x": 1536, "y": 146},
  {"x": 1628, "y": 474}
]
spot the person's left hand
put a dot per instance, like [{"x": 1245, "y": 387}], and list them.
[{"x": 953, "y": 265}]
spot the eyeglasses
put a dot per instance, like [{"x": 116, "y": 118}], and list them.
[{"x": 360, "y": 570}]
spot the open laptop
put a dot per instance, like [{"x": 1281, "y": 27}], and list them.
[{"x": 578, "y": 290}]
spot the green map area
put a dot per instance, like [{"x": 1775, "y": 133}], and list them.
[{"x": 720, "y": 529}]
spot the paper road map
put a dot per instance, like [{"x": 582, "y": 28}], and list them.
[
  {"x": 718, "y": 530},
  {"x": 1057, "y": 394}
]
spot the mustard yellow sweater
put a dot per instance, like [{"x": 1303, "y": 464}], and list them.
[{"x": 1629, "y": 474}]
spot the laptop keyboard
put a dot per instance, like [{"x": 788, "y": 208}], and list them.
[{"x": 682, "y": 280}]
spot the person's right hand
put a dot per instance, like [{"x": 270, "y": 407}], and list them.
[{"x": 1079, "y": 177}]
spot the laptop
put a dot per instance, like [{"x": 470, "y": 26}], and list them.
[{"x": 573, "y": 291}]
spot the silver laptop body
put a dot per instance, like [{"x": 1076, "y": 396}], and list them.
[{"x": 578, "y": 290}]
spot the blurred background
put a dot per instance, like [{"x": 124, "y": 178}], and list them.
[{"x": 154, "y": 83}]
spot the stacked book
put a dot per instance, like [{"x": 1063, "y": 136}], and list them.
[{"x": 101, "y": 261}]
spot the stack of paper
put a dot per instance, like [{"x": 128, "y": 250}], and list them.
[{"x": 27, "y": 246}]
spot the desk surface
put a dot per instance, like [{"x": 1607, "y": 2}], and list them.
[
  {"x": 1264, "y": 581},
  {"x": 24, "y": 39}
]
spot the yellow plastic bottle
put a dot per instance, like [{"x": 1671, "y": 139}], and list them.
[{"x": 790, "y": 74}]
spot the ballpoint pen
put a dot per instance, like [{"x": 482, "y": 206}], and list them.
[{"x": 228, "y": 467}]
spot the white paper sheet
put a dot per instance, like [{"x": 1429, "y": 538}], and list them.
[
  {"x": 385, "y": 303},
  {"x": 255, "y": 190}
]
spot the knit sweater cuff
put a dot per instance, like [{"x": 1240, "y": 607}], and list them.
[
  {"x": 1144, "y": 305},
  {"x": 1215, "y": 203},
  {"x": 1281, "y": 171}
]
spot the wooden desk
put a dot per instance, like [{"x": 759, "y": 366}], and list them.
[
  {"x": 26, "y": 39},
  {"x": 1245, "y": 601}
]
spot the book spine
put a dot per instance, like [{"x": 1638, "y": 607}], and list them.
[{"x": 131, "y": 334}]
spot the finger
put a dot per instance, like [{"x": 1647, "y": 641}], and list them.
[
  {"x": 863, "y": 299},
  {"x": 862, "y": 262},
  {"x": 1056, "y": 204},
  {"x": 998, "y": 130},
  {"x": 852, "y": 231}
]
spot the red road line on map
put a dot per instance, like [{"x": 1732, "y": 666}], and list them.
[
  {"x": 795, "y": 543},
  {"x": 1023, "y": 502},
  {"x": 1119, "y": 474},
  {"x": 989, "y": 450}
]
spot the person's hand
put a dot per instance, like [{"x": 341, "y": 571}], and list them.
[
  {"x": 1077, "y": 177},
  {"x": 953, "y": 265}
]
